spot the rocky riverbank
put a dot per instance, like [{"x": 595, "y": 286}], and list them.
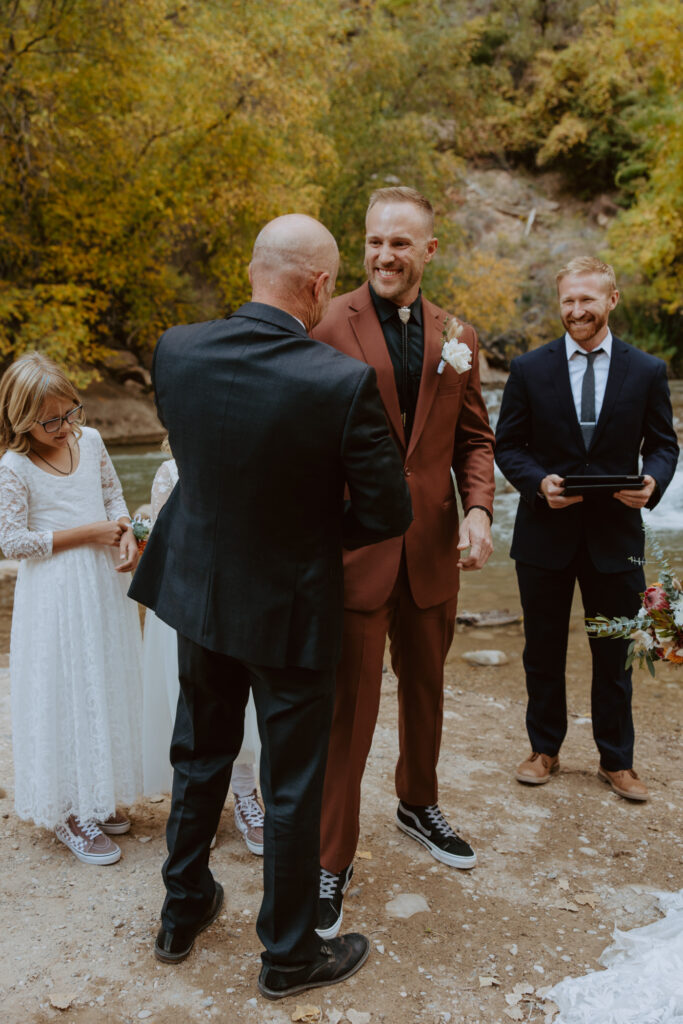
[
  {"x": 559, "y": 867},
  {"x": 123, "y": 412}
]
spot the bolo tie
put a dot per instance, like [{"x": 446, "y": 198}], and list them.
[{"x": 404, "y": 317}]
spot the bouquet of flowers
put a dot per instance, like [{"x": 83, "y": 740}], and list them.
[
  {"x": 141, "y": 527},
  {"x": 656, "y": 633}
]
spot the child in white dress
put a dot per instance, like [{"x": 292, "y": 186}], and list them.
[
  {"x": 160, "y": 675},
  {"x": 75, "y": 648}
]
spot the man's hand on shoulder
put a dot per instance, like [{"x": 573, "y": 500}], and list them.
[
  {"x": 552, "y": 489},
  {"x": 637, "y": 499},
  {"x": 475, "y": 534}
]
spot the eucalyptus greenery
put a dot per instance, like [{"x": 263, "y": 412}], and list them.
[{"x": 649, "y": 622}]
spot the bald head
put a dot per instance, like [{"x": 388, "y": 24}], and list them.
[
  {"x": 294, "y": 266},
  {"x": 293, "y": 241}
]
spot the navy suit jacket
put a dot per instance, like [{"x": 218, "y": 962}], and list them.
[
  {"x": 538, "y": 433},
  {"x": 267, "y": 426}
]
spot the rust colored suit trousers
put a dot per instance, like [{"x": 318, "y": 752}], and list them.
[{"x": 419, "y": 642}]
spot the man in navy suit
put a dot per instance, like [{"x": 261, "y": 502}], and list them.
[{"x": 585, "y": 404}]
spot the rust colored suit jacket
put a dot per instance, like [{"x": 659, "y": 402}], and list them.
[{"x": 451, "y": 431}]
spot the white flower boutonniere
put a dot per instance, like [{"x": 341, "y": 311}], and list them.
[{"x": 454, "y": 352}]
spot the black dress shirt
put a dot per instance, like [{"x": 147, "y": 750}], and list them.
[{"x": 407, "y": 371}]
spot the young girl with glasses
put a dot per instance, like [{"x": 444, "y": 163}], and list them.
[{"x": 75, "y": 648}]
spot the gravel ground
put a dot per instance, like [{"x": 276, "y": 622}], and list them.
[{"x": 559, "y": 866}]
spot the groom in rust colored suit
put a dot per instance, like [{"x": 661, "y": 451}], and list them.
[{"x": 405, "y": 587}]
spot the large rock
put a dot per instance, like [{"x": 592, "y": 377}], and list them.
[
  {"x": 485, "y": 657},
  {"x": 121, "y": 415},
  {"x": 489, "y": 375},
  {"x": 123, "y": 366},
  {"x": 496, "y": 617},
  {"x": 532, "y": 220},
  {"x": 406, "y": 904}
]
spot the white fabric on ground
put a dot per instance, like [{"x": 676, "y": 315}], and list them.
[{"x": 643, "y": 980}]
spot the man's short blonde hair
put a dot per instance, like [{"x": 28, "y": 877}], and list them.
[
  {"x": 403, "y": 194},
  {"x": 589, "y": 265}
]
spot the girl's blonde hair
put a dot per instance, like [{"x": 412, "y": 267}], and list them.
[{"x": 24, "y": 387}]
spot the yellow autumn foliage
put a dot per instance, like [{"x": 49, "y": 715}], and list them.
[
  {"x": 483, "y": 289},
  {"x": 143, "y": 143}
]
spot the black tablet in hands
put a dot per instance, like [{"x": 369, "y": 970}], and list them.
[{"x": 575, "y": 485}]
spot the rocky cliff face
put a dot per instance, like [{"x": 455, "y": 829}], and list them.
[{"x": 532, "y": 220}]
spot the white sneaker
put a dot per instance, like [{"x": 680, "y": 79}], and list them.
[
  {"x": 87, "y": 842},
  {"x": 249, "y": 819}
]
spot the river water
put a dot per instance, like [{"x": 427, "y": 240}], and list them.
[
  {"x": 496, "y": 586},
  {"x": 666, "y": 521},
  {"x": 136, "y": 467}
]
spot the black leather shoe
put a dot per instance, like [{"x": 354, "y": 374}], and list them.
[
  {"x": 172, "y": 947},
  {"x": 337, "y": 960}
]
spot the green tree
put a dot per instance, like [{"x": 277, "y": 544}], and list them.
[{"x": 390, "y": 100}]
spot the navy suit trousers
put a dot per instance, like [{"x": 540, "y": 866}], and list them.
[{"x": 546, "y": 596}]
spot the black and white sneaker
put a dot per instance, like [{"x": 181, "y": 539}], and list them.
[
  {"x": 429, "y": 827},
  {"x": 332, "y": 889}
]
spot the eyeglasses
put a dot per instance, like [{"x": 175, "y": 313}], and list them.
[{"x": 55, "y": 424}]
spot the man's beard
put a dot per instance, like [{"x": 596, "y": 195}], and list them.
[{"x": 585, "y": 328}]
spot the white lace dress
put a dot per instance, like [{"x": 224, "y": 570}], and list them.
[
  {"x": 75, "y": 649},
  {"x": 160, "y": 674}
]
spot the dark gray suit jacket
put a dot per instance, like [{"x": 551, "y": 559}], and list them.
[{"x": 266, "y": 426}]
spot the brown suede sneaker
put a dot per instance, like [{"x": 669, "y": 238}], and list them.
[
  {"x": 625, "y": 783},
  {"x": 117, "y": 824},
  {"x": 87, "y": 842},
  {"x": 249, "y": 818},
  {"x": 537, "y": 768}
]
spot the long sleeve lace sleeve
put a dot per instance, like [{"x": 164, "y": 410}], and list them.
[
  {"x": 16, "y": 539},
  {"x": 114, "y": 505},
  {"x": 164, "y": 482}
]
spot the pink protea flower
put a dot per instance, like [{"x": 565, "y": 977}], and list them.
[{"x": 655, "y": 599}]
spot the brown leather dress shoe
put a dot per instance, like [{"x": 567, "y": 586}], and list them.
[
  {"x": 625, "y": 783},
  {"x": 537, "y": 768}
]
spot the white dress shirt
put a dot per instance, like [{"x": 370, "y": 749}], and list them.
[{"x": 577, "y": 368}]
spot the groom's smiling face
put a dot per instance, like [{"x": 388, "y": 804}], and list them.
[{"x": 398, "y": 246}]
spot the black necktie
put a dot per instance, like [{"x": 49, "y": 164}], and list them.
[{"x": 588, "y": 398}]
